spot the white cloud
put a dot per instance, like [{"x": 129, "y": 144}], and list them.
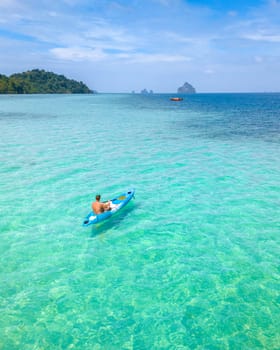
[
  {"x": 8, "y": 4},
  {"x": 163, "y": 2},
  {"x": 232, "y": 13},
  {"x": 274, "y": 3},
  {"x": 209, "y": 71},
  {"x": 263, "y": 37},
  {"x": 156, "y": 58},
  {"x": 53, "y": 14},
  {"x": 97, "y": 54},
  {"x": 258, "y": 59},
  {"x": 78, "y": 54},
  {"x": 109, "y": 37},
  {"x": 180, "y": 38}
]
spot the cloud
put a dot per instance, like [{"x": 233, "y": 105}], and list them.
[
  {"x": 109, "y": 37},
  {"x": 209, "y": 71},
  {"x": 163, "y": 2},
  {"x": 180, "y": 38},
  {"x": 8, "y": 4},
  {"x": 53, "y": 14},
  {"x": 156, "y": 58},
  {"x": 274, "y": 3},
  {"x": 232, "y": 13},
  {"x": 89, "y": 54},
  {"x": 258, "y": 59},
  {"x": 78, "y": 54},
  {"x": 271, "y": 38}
]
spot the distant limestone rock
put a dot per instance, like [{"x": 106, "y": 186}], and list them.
[
  {"x": 186, "y": 89},
  {"x": 145, "y": 92}
]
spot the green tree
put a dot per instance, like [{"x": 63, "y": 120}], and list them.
[{"x": 40, "y": 82}]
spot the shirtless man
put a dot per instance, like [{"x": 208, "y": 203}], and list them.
[{"x": 99, "y": 207}]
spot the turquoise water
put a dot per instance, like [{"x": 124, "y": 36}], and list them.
[{"x": 191, "y": 263}]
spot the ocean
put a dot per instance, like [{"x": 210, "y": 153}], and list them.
[{"x": 191, "y": 263}]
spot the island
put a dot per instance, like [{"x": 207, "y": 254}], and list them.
[
  {"x": 146, "y": 92},
  {"x": 186, "y": 89},
  {"x": 41, "y": 82}
]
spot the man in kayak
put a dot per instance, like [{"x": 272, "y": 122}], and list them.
[{"x": 99, "y": 207}]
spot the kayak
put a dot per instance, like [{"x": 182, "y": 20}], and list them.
[{"x": 116, "y": 204}]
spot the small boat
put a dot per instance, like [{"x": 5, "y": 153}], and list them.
[
  {"x": 176, "y": 99},
  {"x": 116, "y": 204}
]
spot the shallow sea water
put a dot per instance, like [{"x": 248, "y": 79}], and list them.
[{"x": 191, "y": 263}]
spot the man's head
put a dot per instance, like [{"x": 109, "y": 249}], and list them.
[{"x": 97, "y": 197}]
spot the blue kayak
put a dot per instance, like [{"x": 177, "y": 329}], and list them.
[{"x": 116, "y": 204}]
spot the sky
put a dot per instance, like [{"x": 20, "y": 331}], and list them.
[{"x": 124, "y": 46}]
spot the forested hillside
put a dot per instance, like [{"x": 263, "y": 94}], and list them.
[{"x": 40, "y": 82}]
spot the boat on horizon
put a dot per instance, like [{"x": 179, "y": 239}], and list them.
[{"x": 176, "y": 98}]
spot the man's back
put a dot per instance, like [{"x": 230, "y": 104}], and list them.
[{"x": 97, "y": 207}]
